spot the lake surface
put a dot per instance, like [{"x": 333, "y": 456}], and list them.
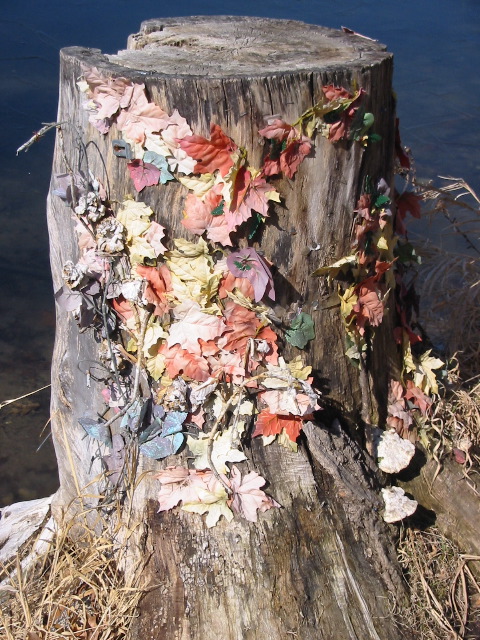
[{"x": 437, "y": 56}]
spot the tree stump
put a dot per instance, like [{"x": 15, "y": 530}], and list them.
[{"x": 322, "y": 566}]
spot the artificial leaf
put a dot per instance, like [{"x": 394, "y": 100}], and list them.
[
  {"x": 247, "y": 263},
  {"x": 179, "y": 361},
  {"x": 159, "y": 161},
  {"x": 424, "y": 376},
  {"x": 200, "y": 217},
  {"x": 268, "y": 424},
  {"x": 289, "y": 401},
  {"x": 223, "y": 451},
  {"x": 418, "y": 397},
  {"x": 212, "y": 154},
  {"x": 96, "y": 429},
  {"x": 248, "y": 498},
  {"x": 160, "y": 446},
  {"x": 159, "y": 284},
  {"x": 141, "y": 116},
  {"x": 199, "y": 185},
  {"x": 369, "y": 306},
  {"x": 340, "y": 266},
  {"x": 301, "y": 331},
  {"x": 192, "y": 325},
  {"x": 143, "y": 174}
]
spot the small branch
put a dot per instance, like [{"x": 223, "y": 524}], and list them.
[
  {"x": 38, "y": 134},
  {"x": 7, "y": 402}
]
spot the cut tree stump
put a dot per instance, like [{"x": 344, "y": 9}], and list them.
[{"x": 322, "y": 566}]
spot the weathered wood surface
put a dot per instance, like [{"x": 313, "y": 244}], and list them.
[{"x": 320, "y": 566}]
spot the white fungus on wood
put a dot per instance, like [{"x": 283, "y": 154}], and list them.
[
  {"x": 394, "y": 453},
  {"x": 397, "y": 505}
]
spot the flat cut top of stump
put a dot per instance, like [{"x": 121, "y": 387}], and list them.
[{"x": 222, "y": 46}]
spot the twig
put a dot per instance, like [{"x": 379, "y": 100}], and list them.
[
  {"x": 6, "y": 402},
  {"x": 38, "y": 134}
]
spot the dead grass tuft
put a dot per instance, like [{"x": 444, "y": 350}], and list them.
[
  {"x": 444, "y": 587},
  {"x": 76, "y": 590}
]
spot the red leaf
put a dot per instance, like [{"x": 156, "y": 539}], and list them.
[
  {"x": 269, "y": 424},
  {"x": 416, "y": 395},
  {"x": 407, "y": 202},
  {"x": 293, "y": 156},
  {"x": 143, "y": 174},
  {"x": 369, "y": 308},
  {"x": 212, "y": 154}
]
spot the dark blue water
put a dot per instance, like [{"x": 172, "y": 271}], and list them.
[{"x": 437, "y": 56}]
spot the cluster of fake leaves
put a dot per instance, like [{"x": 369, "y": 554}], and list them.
[
  {"x": 375, "y": 272},
  {"x": 193, "y": 328}
]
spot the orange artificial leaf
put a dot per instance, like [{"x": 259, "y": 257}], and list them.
[
  {"x": 231, "y": 282},
  {"x": 159, "y": 284},
  {"x": 122, "y": 307},
  {"x": 270, "y": 424},
  {"x": 416, "y": 395},
  {"x": 242, "y": 324},
  {"x": 178, "y": 361},
  {"x": 369, "y": 306},
  {"x": 198, "y": 217},
  {"x": 212, "y": 154}
]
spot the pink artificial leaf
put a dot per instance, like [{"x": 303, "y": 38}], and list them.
[
  {"x": 177, "y": 128},
  {"x": 228, "y": 366},
  {"x": 212, "y": 154},
  {"x": 111, "y": 94},
  {"x": 369, "y": 307},
  {"x": 248, "y": 498},
  {"x": 247, "y": 263},
  {"x": 199, "y": 219},
  {"x": 154, "y": 236},
  {"x": 141, "y": 116},
  {"x": 276, "y": 130},
  {"x": 231, "y": 282},
  {"x": 143, "y": 174},
  {"x": 242, "y": 325},
  {"x": 193, "y": 324}
]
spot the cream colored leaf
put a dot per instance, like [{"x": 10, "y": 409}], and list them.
[
  {"x": 156, "y": 366},
  {"x": 200, "y": 185},
  {"x": 153, "y": 334},
  {"x": 222, "y": 451}
]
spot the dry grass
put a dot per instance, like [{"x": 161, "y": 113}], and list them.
[
  {"x": 444, "y": 588},
  {"x": 75, "y": 591}
]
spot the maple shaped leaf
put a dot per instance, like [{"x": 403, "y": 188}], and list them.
[
  {"x": 416, "y": 395},
  {"x": 223, "y": 451},
  {"x": 227, "y": 366},
  {"x": 241, "y": 325},
  {"x": 192, "y": 324},
  {"x": 110, "y": 94},
  {"x": 143, "y": 174},
  {"x": 141, "y": 116},
  {"x": 288, "y": 401},
  {"x": 231, "y": 282},
  {"x": 212, "y": 154},
  {"x": 247, "y": 263},
  {"x": 159, "y": 284},
  {"x": 198, "y": 491},
  {"x": 269, "y": 424},
  {"x": 288, "y": 150},
  {"x": 407, "y": 202},
  {"x": 369, "y": 307},
  {"x": 248, "y": 498},
  {"x": 199, "y": 219},
  {"x": 178, "y": 362},
  {"x": 254, "y": 196},
  {"x": 424, "y": 376}
]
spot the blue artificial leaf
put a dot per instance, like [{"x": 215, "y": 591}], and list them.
[
  {"x": 173, "y": 422},
  {"x": 115, "y": 460},
  {"x": 134, "y": 417},
  {"x": 160, "y": 447},
  {"x": 158, "y": 411},
  {"x": 97, "y": 429},
  {"x": 153, "y": 429},
  {"x": 159, "y": 161}
]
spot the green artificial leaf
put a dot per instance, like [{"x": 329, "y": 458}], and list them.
[
  {"x": 218, "y": 211},
  {"x": 301, "y": 331},
  {"x": 381, "y": 201},
  {"x": 374, "y": 137}
]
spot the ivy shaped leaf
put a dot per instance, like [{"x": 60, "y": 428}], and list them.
[{"x": 301, "y": 331}]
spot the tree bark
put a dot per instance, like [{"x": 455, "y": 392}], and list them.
[{"x": 322, "y": 566}]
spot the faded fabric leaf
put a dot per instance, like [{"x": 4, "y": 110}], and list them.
[
  {"x": 211, "y": 155},
  {"x": 198, "y": 491},
  {"x": 288, "y": 148},
  {"x": 247, "y": 263},
  {"x": 179, "y": 361},
  {"x": 193, "y": 325},
  {"x": 424, "y": 376},
  {"x": 248, "y": 498},
  {"x": 141, "y": 116},
  {"x": 199, "y": 218},
  {"x": 368, "y": 308},
  {"x": 159, "y": 284},
  {"x": 301, "y": 331},
  {"x": 222, "y": 451}
]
